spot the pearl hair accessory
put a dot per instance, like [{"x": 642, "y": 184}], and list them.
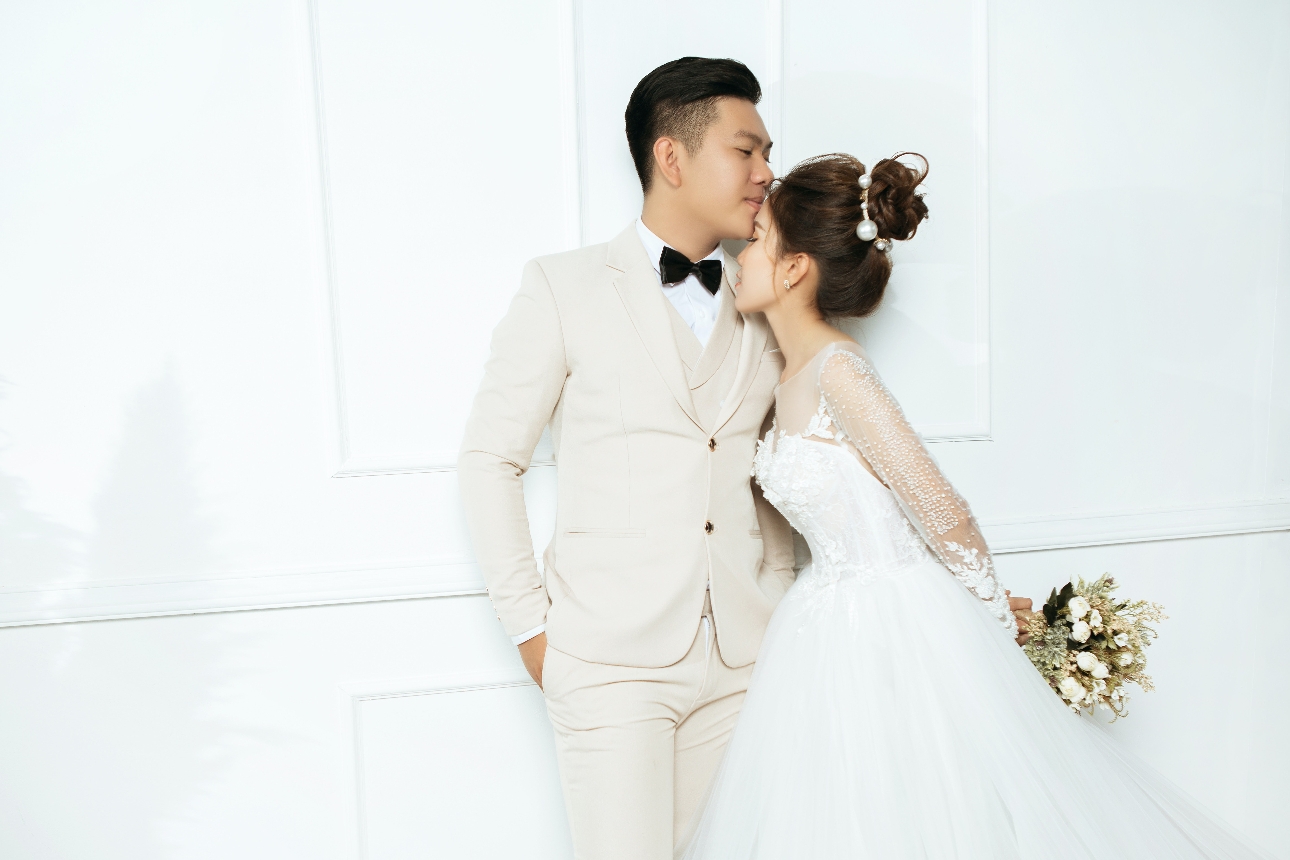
[{"x": 866, "y": 230}]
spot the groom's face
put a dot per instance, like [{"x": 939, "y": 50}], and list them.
[{"x": 725, "y": 181}]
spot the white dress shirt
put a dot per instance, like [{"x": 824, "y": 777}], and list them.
[{"x": 693, "y": 302}]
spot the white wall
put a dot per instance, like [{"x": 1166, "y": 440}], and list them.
[{"x": 250, "y": 254}]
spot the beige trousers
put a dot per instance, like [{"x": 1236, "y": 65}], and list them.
[{"x": 638, "y": 747}]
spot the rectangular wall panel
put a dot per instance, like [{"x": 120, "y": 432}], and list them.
[
  {"x": 874, "y": 79},
  {"x": 459, "y": 772},
  {"x": 619, "y": 44},
  {"x": 441, "y": 126}
]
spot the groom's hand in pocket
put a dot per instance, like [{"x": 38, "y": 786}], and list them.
[
  {"x": 533, "y": 653},
  {"x": 1022, "y": 608}
]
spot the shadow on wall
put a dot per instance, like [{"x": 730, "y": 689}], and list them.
[
  {"x": 150, "y": 522},
  {"x": 133, "y": 727},
  {"x": 33, "y": 548}
]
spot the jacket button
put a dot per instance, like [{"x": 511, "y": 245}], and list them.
[
  {"x": 712, "y": 444},
  {"x": 709, "y": 527}
]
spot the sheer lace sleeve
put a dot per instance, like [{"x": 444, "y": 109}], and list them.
[{"x": 871, "y": 419}]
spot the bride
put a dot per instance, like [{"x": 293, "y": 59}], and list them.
[{"x": 891, "y": 714}]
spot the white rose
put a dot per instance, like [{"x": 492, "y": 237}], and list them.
[
  {"x": 1100, "y": 671},
  {"x": 1086, "y": 661},
  {"x": 1124, "y": 658},
  {"x": 1072, "y": 689},
  {"x": 1122, "y": 639},
  {"x": 1095, "y": 620},
  {"x": 1080, "y": 631},
  {"x": 1099, "y": 687},
  {"x": 1078, "y": 607}
]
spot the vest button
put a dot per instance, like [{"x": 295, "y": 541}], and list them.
[
  {"x": 709, "y": 527},
  {"x": 712, "y": 444}
]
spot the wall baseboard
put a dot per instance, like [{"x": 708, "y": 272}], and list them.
[{"x": 410, "y": 580}]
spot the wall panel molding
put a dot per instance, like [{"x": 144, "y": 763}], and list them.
[
  {"x": 773, "y": 85},
  {"x": 241, "y": 591},
  {"x": 352, "y": 696},
  {"x": 1032, "y": 534},
  {"x": 425, "y": 578},
  {"x": 978, "y": 429}
]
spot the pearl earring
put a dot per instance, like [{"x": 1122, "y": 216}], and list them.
[{"x": 787, "y": 285}]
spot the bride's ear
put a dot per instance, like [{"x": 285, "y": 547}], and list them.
[{"x": 797, "y": 267}]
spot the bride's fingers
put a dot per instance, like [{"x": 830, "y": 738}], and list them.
[{"x": 1019, "y": 603}]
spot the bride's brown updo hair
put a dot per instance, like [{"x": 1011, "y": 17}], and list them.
[{"x": 816, "y": 207}]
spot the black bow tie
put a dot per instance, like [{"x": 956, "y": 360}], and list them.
[{"x": 676, "y": 267}]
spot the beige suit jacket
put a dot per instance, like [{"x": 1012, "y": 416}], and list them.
[{"x": 655, "y": 500}]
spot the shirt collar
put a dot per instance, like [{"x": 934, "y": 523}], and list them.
[{"x": 654, "y": 246}]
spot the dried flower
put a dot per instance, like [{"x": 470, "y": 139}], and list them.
[{"x": 1085, "y": 636}]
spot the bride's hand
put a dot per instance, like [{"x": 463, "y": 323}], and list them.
[{"x": 1022, "y": 608}]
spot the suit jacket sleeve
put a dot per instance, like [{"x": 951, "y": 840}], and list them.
[
  {"x": 776, "y": 533},
  {"x": 522, "y": 382}
]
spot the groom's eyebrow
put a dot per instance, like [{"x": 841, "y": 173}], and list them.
[{"x": 756, "y": 140}]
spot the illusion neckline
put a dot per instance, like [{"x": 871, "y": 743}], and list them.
[{"x": 812, "y": 359}]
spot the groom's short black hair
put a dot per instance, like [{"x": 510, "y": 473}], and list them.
[{"x": 678, "y": 99}]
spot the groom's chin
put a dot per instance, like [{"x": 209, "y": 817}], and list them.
[{"x": 741, "y": 226}]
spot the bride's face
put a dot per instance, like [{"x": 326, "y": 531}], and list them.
[{"x": 755, "y": 289}]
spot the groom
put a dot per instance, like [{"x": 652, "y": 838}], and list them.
[{"x": 666, "y": 561}]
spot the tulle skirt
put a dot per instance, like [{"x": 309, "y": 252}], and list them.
[{"x": 897, "y": 719}]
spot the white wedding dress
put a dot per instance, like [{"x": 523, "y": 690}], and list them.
[{"x": 891, "y": 714}]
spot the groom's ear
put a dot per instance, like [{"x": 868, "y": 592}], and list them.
[{"x": 667, "y": 160}]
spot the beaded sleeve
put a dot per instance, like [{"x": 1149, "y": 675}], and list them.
[{"x": 871, "y": 419}]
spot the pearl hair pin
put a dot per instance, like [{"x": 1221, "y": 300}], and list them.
[{"x": 867, "y": 230}]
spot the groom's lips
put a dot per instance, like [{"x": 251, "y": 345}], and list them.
[{"x": 754, "y": 202}]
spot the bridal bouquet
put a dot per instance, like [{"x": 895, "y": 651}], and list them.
[{"x": 1088, "y": 646}]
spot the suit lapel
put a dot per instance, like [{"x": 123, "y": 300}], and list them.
[
  {"x": 756, "y": 331},
  {"x": 637, "y": 285}
]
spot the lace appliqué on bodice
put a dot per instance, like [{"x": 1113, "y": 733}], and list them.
[
  {"x": 854, "y": 527},
  {"x": 855, "y": 524}
]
